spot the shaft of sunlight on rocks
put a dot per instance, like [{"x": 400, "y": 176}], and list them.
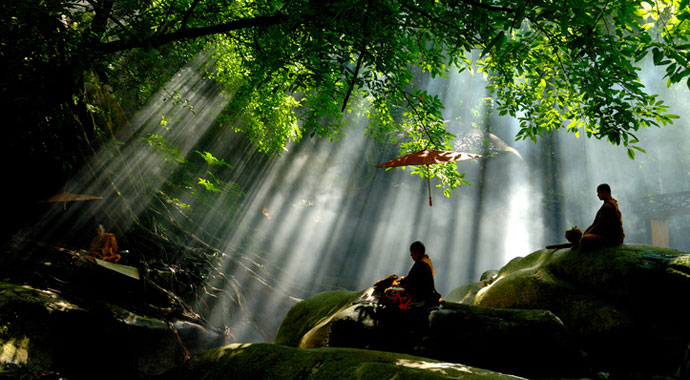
[{"x": 143, "y": 157}]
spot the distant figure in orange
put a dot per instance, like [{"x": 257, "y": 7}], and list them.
[
  {"x": 419, "y": 282},
  {"x": 607, "y": 228},
  {"x": 104, "y": 246}
]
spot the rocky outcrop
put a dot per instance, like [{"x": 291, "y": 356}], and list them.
[
  {"x": 522, "y": 342},
  {"x": 618, "y": 313},
  {"x": 554, "y": 313},
  {"x": 531, "y": 343},
  {"x": 466, "y": 293},
  {"x": 626, "y": 306},
  {"x": 684, "y": 371},
  {"x": 267, "y": 361},
  {"x": 309, "y": 313},
  {"x": 42, "y": 331}
]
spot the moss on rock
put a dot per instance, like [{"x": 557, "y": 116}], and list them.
[
  {"x": 42, "y": 331},
  {"x": 629, "y": 277},
  {"x": 267, "y": 361},
  {"x": 465, "y": 293},
  {"x": 312, "y": 311},
  {"x": 622, "y": 302}
]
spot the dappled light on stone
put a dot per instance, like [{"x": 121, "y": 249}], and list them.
[
  {"x": 14, "y": 350},
  {"x": 448, "y": 369}
]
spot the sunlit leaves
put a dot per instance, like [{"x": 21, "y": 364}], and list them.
[
  {"x": 581, "y": 74},
  {"x": 668, "y": 22},
  {"x": 211, "y": 160},
  {"x": 162, "y": 145},
  {"x": 209, "y": 186},
  {"x": 570, "y": 64}
]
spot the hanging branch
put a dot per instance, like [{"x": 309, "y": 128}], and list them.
[
  {"x": 188, "y": 14},
  {"x": 419, "y": 118},
  {"x": 354, "y": 79},
  {"x": 160, "y": 27},
  {"x": 488, "y": 7},
  {"x": 182, "y": 34}
]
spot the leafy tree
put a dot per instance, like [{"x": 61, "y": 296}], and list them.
[{"x": 298, "y": 67}]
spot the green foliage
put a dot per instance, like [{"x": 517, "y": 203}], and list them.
[
  {"x": 161, "y": 144},
  {"x": 210, "y": 185},
  {"x": 304, "y": 67},
  {"x": 575, "y": 68},
  {"x": 211, "y": 160}
]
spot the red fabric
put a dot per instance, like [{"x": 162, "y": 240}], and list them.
[{"x": 104, "y": 247}]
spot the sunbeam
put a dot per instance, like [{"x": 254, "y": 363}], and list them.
[{"x": 321, "y": 216}]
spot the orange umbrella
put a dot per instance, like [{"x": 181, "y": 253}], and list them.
[
  {"x": 69, "y": 197},
  {"x": 427, "y": 157}
]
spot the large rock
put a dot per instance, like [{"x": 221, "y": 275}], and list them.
[
  {"x": 522, "y": 342},
  {"x": 267, "y": 361},
  {"x": 627, "y": 306},
  {"x": 621, "y": 312},
  {"x": 466, "y": 293},
  {"x": 42, "y": 331},
  {"x": 684, "y": 371},
  {"x": 309, "y": 313},
  {"x": 532, "y": 343}
]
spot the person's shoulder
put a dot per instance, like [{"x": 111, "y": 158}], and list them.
[{"x": 611, "y": 203}]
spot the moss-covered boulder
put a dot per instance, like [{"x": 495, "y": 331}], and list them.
[
  {"x": 627, "y": 306},
  {"x": 620, "y": 310},
  {"x": 684, "y": 371},
  {"x": 522, "y": 342},
  {"x": 309, "y": 313},
  {"x": 267, "y": 361},
  {"x": 531, "y": 343},
  {"x": 40, "y": 331}
]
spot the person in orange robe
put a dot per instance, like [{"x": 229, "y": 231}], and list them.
[
  {"x": 607, "y": 228},
  {"x": 419, "y": 282},
  {"x": 104, "y": 246}
]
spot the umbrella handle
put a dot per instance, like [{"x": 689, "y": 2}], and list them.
[{"x": 428, "y": 181}]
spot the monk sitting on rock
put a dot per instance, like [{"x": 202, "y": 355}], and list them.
[
  {"x": 607, "y": 228},
  {"x": 419, "y": 282},
  {"x": 104, "y": 246},
  {"x": 417, "y": 287}
]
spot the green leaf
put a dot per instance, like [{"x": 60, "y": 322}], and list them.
[
  {"x": 208, "y": 185},
  {"x": 631, "y": 154},
  {"x": 211, "y": 160},
  {"x": 497, "y": 41}
]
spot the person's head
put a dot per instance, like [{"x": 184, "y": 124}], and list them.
[
  {"x": 604, "y": 191},
  {"x": 417, "y": 250},
  {"x": 100, "y": 229}
]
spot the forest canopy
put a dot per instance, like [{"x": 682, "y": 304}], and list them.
[{"x": 299, "y": 68}]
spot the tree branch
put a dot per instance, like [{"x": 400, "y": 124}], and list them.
[
  {"x": 489, "y": 7},
  {"x": 182, "y": 34},
  {"x": 188, "y": 14},
  {"x": 354, "y": 79},
  {"x": 161, "y": 27},
  {"x": 102, "y": 11}
]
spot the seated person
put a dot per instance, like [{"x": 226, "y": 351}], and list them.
[
  {"x": 104, "y": 246},
  {"x": 607, "y": 228},
  {"x": 419, "y": 282}
]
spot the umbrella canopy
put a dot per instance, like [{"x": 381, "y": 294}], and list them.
[
  {"x": 69, "y": 197},
  {"x": 428, "y": 157}
]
